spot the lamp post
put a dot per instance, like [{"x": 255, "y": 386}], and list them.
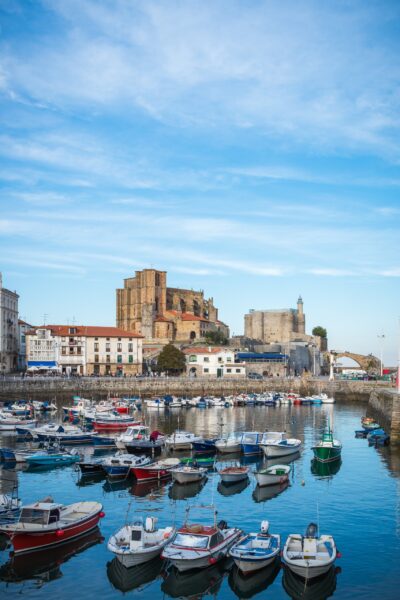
[{"x": 381, "y": 337}]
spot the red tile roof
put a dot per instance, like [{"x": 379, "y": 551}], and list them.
[
  {"x": 90, "y": 331},
  {"x": 198, "y": 350},
  {"x": 163, "y": 320}
]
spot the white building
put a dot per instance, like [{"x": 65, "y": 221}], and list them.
[
  {"x": 210, "y": 360},
  {"x": 85, "y": 350},
  {"x": 8, "y": 329},
  {"x": 23, "y": 327}
]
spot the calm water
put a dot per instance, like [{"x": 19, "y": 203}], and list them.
[{"x": 359, "y": 505}]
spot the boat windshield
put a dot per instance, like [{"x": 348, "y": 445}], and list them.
[
  {"x": 250, "y": 438},
  {"x": 34, "y": 515},
  {"x": 191, "y": 541}
]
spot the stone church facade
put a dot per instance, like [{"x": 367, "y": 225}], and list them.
[
  {"x": 147, "y": 306},
  {"x": 276, "y": 326}
]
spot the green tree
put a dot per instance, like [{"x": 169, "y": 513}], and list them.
[
  {"x": 171, "y": 359},
  {"x": 216, "y": 337},
  {"x": 321, "y": 331}
]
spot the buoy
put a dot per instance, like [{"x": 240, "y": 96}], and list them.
[
  {"x": 212, "y": 560},
  {"x": 102, "y": 514},
  {"x": 59, "y": 533}
]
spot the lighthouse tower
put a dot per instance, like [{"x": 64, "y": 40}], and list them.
[{"x": 301, "y": 319}]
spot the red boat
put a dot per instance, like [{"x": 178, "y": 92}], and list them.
[
  {"x": 113, "y": 423},
  {"x": 45, "y": 524},
  {"x": 155, "y": 471}
]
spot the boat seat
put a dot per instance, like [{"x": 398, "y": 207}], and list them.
[
  {"x": 261, "y": 543},
  {"x": 310, "y": 546}
]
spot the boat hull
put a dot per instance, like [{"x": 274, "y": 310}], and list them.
[
  {"x": 275, "y": 450},
  {"x": 30, "y": 542},
  {"x": 183, "y": 478},
  {"x": 251, "y": 449},
  {"x": 270, "y": 479},
  {"x": 326, "y": 454},
  {"x": 247, "y": 566},
  {"x": 204, "y": 558},
  {"x": 231, "y": 478},
  {"x": 142, "y": 474},
  {"x": 228, "y": 448},
  {"x": 131, "y": 560},
  {"x": 309, "y": 572}
]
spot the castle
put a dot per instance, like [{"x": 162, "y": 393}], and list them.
[
  {"x": 276, "y": 326},
  {"x": 161, "y": 314}
]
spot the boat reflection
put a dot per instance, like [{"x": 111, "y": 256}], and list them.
[
  {"x": 126, "y": 579},
  {"x": 246, "y": 586},
  {"x": 45, "y": 565},
  {"x": 196, "y": 583},
  {"x": 231, "y": 489},
  {"x": 281, "y": 460},
  {"x": 266, "y": 492},
  {"x": 90, "y": 479},
  {"x": 146, "y": 488},
  {"x": 178, "y": 491},
  {"x": 319, "y": 588},
  {"x": 325, "y": 470},
  {"x": 116, "y": 486}
]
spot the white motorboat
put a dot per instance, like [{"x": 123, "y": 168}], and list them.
[
  {"x": 188, "y": 474},
  {"x": 196, "y": 546},
  {"x": 10, "y": 423},
  {"x": 311, "y": 555},
  {"x": 229, "y": 444},
  {"x": 256, "y": 550},
  {"x": 181, "y": 440},
  {"x": 276, "y": 443},
  {"x": 273, "y": 475},
  {"x": 231, "y": 475},
  {"x": 9, "y": 507},
  {"x": 120, "y": 464},
  {"x": 136, "y": 432},
  {"x": 139, "y": 543},
  {"x": 156, "y": 403},
  {"x": 326, "y": 399}
]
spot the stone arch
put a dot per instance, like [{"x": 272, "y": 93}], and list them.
[
  {"x": 366, "y": 362},
  {"x": 182, "y": 305},
  {"x": 192, "y": 335},
  {"x": 196, "y": 308}
]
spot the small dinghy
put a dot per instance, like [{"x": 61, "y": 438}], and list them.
[
  {"x": 196, "y": 546},
  {"x": 273, "y": 475},
  {"x": 181, "y": 440},
  {"x": 46, "y": 458},
  {"x": 139, "y": 543},
  {"x": 231, "y": 475},
  {"x": 155, "y": 471},
  {"x": 311, "y": 555},
  {"x": 256, "y": 550},
  {"x": 188, "y": 474},
  {"x": 10, "y": 507},
  {"x": 276, "y": 444},
  {"x": 230, "y": 444}
]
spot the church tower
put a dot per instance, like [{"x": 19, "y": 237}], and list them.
[{"x": 301, "y": 319}]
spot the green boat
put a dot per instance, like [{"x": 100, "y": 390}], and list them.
[
  {"x": 328, "y": 449},
  {"x": 200, "y": 462}
]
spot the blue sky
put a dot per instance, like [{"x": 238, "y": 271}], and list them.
[{"x": 251, "y": 149}]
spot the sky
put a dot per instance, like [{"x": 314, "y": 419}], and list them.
[{"x": 250, "y": 149}]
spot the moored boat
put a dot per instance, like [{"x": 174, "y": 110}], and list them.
[
  {"x": 113, "y": 422},
  {"x": 273, "y": 475},
  {"x": 231, "y": 475},
  {"x": 188, "y": 474},
  {"x": 250, "y": 443},
  {"x": 121, "y": 464},
  {"x": 328, "y": 449},
  {"x": 230, "y": 443},
  {"x": 276, "y": 444},
  {"x": 181, "y": 440},
  {"x": 45, "y": 524},
  {"x": 156, "y": 471},
  {"x": 311, "y": 555},
  {"x": 196, "y": 546},
  {"x": 256, "y": 550},
  {"x": 140, "y": 542}
]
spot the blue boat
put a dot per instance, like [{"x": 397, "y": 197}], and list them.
[
  {"x": 201, "y": 403},
  {"x": 103, "y": 443},
  {"x": 52, "y": 459},
  {"x": 119, "y": 466},
  {"x": 250, "y": 444},
  {"x": 7, "y": 455},
  {"x": 204, "y": 446},
  {"x": 256, "y": 550}
]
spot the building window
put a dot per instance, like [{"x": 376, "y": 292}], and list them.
[
  {"x": 206, "y": 359},
  {"x": 71, "y": 350},
  {"x": 72, "y": 330},
  {"x": 130, "y": 347},
  {"x": 130, "y": 339},
  {"x": 131, "y": 358},
  {"x": 96, "y": 339},
  {"x": 119, "y": 339},
  {"x": 206, "y": 370},
  {"x": 119, "y": 358},
  {"x": 220, "y": 359},
  {"x": 229, "y": 359},
  {"x": 96, "y": 346},
  {"x": 192, "y": 358},
  {"x": 108, "y": 339},
  {"x": 107, "y": 358},
  {"x": 119, "y": 347},
  {"x": 63, "y": 350},
  {"x": 108, "y": 348},
  {"x": 79, "y": 350},
  {"x": 71, "y": 340},
  {"x": 96, "y": 358},
  {"x": 229, "y": 370},
  {"x": 237, "y": 370}
]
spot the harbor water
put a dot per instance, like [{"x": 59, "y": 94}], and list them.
[{"x": 357, "y": 500}]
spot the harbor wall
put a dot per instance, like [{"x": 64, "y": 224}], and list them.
[
  {"x": 384, "y": 406},
  {"x": 17, "y": 388}
]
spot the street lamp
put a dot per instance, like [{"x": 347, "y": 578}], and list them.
[{"x": 381, "y": 337}]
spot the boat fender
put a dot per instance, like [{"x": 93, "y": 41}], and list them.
[
  {"x": 212, "y": 560},
  {"x": 166, "y": 535},
  {"x": 338, "y": 554},
  {"x": 102, "y": 514},
  {"x": 59, "y": 533}
]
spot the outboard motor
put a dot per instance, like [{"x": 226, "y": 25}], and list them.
[
  {"x": 150, "y": 524},
  {"x": 222, "y": 525},
  {"x": 312, "y": 531},
  {"x": 264, "y": 527}
]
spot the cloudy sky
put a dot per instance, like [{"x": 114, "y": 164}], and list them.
[{"x": 251, "y": 149}]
